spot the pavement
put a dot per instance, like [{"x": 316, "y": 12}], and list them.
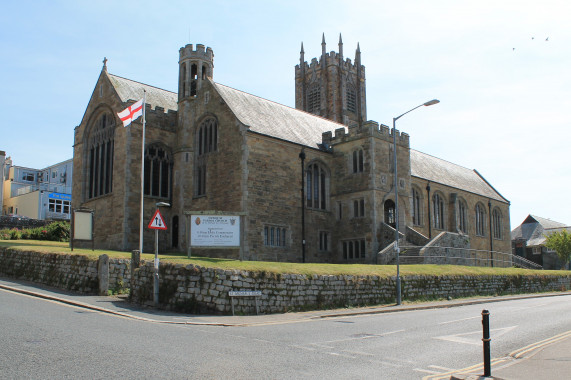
[{"x": 547, "y": 359}]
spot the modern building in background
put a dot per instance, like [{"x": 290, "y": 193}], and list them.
[
  {"x": 213, "y": 148},
  {"x": 528, "y": 241},
  {"x": 43, "y": 194},
  {"x": 2, "y": 176}
]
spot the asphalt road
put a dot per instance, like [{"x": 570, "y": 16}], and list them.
[{"x": 45, "y": 339}]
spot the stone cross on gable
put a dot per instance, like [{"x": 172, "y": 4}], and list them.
[{"x": 105, "y": 63}]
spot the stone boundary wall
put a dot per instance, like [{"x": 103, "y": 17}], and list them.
[
  {"x": 195, "y": 289},
  {"x": 72, "y": 272}
]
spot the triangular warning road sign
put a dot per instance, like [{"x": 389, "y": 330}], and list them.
[{"x": 157, "y": 222}]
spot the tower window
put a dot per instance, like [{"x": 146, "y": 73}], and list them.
[
  {"x": 351, "y": 99},
  {"x": 314, "y": 99},
  {"x": 207, "y": 142},
  {"x": 358, "y": 161}
]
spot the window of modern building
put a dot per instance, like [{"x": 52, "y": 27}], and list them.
[
  {"x": 354, "y": 249},
  {"x": 275, "y": 236},
  {"x": 207, "y": 142},
  {"x": 358, "y": 208},
  {"x": 59, "y": 206},
  {"x": 462, "y": 216},
  {"x": 28, "y": 176},
  {"x": 480, "y": 220},
  {"x": 100, "y": 156},
  {"x": 438, "y": 211},
  {"x": 358, "y": 161},
  {"x": 323, "y": 241},
  {"x": 416, "y": 207},
  {"x": 158, "y": 172},
  {"x": 317, "y": 192},
  {"x": 497, "y": 223}
]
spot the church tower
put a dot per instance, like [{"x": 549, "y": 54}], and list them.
[
  {"x": 194, "y": 67},
  {"x": 332, "y": 87}
]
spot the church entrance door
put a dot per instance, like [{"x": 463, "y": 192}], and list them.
[{"x": 390, "y": 213}]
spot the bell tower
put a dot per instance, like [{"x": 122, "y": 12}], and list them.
[
  {"x": 194, "y": 67},
  {"x": 332, "y": 86}
]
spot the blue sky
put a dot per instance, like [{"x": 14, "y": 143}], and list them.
[{"x": 505, "y": 91}]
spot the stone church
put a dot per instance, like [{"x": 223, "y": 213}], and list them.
[{"x": 321, "y": 171}]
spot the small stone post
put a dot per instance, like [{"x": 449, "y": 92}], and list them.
[
  {"x": 135, "y": 264},
  {"x": 103, "y": 274}
]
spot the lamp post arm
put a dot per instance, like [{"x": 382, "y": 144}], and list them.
[{"x": 398, "y": 117}]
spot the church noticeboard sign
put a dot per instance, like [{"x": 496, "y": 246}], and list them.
[{"x": 215, "y": 231}]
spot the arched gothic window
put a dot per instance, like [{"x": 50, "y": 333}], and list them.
[
  {"x": 438, "y": 208},
  {"x": 416, "y": 207},
  {"x": 480, "y": 220},
  {"x": 206, "y": 142},
  {"x": 158, "y": 172},
  {"x": 497, "y": 223},
  {"x": 358, "y": 160},
  {"x": 317, "y": 191},
  {"x": 462, "y": 216},
  {"x": 100, "y": 156}
]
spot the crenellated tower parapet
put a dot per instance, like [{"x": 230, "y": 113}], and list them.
[
  {"x": 332, "y": 86},
  {"x": 195, "y": 66},
  {"x": 368, "y": 129}
]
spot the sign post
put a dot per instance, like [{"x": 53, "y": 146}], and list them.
[{"x": 157, "y": 223}]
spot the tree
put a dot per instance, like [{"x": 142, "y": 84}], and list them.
[{"x": 560, "y": 242}]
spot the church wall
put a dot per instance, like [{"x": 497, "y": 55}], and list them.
[
  {"x": 224, "y": 190},
  {"x": 109, "y": 210},
  {"x": 274, "y": 200},
  {"x": 451, "y": 224},
  {"x": 375, "y": 185}
]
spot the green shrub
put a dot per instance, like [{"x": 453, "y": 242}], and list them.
[
  {"x": 58, "y": 231},
  {"x": 15, "y": 234}
]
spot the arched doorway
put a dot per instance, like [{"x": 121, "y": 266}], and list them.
[
  {"x": 390, "y": 213},
  {"x": 175, "y": 231}
]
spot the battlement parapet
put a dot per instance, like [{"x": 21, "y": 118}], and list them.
[
  {"x": 331, "y": 59},
  {"x": 368, "y": 129},
  {"x": 188, "y": 52}
]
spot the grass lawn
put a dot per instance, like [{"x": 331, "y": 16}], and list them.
[{"x": 279, "y": 267}]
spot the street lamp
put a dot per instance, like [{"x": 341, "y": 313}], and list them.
[{"x": 397, "y": 249}]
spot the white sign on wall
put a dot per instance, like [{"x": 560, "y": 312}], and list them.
[{"x": 215, "y": 231}]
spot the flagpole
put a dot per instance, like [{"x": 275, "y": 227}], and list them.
[{"x": 142, "y": 174}]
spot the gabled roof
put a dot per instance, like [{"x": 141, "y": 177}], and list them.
[
  {"x": 130, "y": 90},
  {"x": 546, "y": 223},
  {"x": 436, "y": 170},
  {"x": 534, "y": 228},
  {"x": 273, "y": 119}
]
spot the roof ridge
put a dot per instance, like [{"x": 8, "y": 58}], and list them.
[
  {"x": 144, "y": 84},
  {"x": 442, "y": 159},
  {"x": 283, "y": 105}
]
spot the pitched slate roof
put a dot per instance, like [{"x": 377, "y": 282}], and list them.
[
  {"x": 273, "y": 119},
  {"x": 436, "y": 170},
  {"x": 130, "y": 90},
  {"x": 534, "y": 228}
]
